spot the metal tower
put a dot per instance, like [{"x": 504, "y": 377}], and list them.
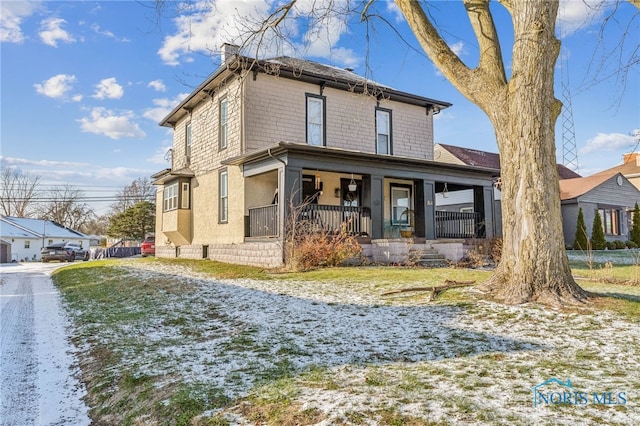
[{"x": 569, "y": 149}]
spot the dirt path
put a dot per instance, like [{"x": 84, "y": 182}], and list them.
[{"x": 37, "y": 372}]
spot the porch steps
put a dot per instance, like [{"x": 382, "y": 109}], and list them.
[{"x": 428, "y": 257}]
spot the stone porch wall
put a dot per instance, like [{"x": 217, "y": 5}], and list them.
[{"x": 262, "y": 254}]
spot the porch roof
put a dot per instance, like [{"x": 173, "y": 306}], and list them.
[{"x": 326, "y": 152}]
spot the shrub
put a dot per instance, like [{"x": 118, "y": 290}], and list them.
[
  {"x": 619, "y": 245},
  {"x": 316, "y": 249},
  {"x": 610, "y": 245},
  {"x": 496, "y": 249},
  {"x": 598, "y": 242},
  {"x": 580, "y": 241},
  {"x": 635, "y": 228},
  {"x": 632, "y": 244}
]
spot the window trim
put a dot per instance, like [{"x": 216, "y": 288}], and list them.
[
  {"x": 408, "y": 189},
  {"x": 615, "y": 220},
  {"x": 168, "y": 204},
  {"x": 188, "y": 139},
  {"x": 223, "y": 199},
  {"x": 388, "y": 112},
  {"x": 323, "y": 130},
  {"x": 27, "y": 244},
  {"x": 185, "y": 195},
  {"x": 223, "y": 126}
]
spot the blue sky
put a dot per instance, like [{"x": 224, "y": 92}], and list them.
[{"x": 85, "y": 83}]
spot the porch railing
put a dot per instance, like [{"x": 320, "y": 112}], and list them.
[
  {"x": 459, "y": 225},
  {"x": 263, "y": 221},
  {"x": 353, "y": 220}
]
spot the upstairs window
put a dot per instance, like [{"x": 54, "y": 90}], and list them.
[
  {"x": 187, "y": 140},
  {"x": 223, "y": 128},
  {"x": 170, "y": 197},
  {"x": 315, "y": 120},
  {"x": 383, "y": 131}
]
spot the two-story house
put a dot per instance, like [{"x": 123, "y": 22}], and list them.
[{"x": 258, "y": 136}]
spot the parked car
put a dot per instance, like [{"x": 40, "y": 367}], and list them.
[
  {"x": 78, "y": 251},
  {"x": 57, "y": 251},
  {"x": 148, "y": 247}
]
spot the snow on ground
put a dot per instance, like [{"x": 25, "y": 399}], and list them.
[
  {"x": 460, "y": 364},
  {"x": 38, "y": 368}
]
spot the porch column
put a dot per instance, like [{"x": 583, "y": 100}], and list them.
[
  {"x": 291, "y": 191},
  {"x": 489, "y": 211},
  {"x": 483, "y": 204},
  {"x": 376, "y": 204},
  {"x": 429, "y": 217}
]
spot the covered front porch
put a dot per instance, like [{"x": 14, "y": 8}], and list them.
[{"x": 365, "y": 195}]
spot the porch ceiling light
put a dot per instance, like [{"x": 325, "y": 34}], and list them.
[{"x": 352, "y": 185}]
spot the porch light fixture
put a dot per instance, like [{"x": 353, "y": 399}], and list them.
[
  {"x": 318, "y": 183},
  {"x": 352, "y": 185},
  {"x": 445, "y": 191}
]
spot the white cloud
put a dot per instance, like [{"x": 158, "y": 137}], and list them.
[
  {"x": 106, "y": 122},
  {"x": 394, "y": 10},
  {"x": 13, "y": 12},
  {"x": 203, "y": 27},
  {"x": 608, "y": 142},
  {"x": 108, "y": 89},
  {"x": 576, "y": 14},
  {"x": 57, "y": 87},
  {"x": 12, "y": 161},
  {"x": 458, "y": 48},
  {"x": 52, "y": 32},
  {"x": 163, "y": 107},
  {"x": 161, "y": 154},
  {"x": 158, "y": 85}
]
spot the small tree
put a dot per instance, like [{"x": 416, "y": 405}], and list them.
[
  {"x": 598, "y": 242},
  {"x": 635, "y": 229},
  {"x": 135, "y": 222},
  {"x": 580, "y": 241}
]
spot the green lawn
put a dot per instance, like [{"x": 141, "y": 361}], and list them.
[{"x": 180, "y": 342}]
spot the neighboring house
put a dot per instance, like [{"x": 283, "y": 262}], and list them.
[
  {"x": 610, "y": 194},
  {"x": 259, "y": 136},
  {"x": 463, "y": 200},
  {"x": 630, "y": 168},
  {"x": 28, "y": 236}
]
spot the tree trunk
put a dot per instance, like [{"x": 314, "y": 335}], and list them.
[
  {"x": 534, "y": 264},
  {"x": 523, "y": 111}
]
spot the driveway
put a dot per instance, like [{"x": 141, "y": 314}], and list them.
[{"x": 38, "y": 369}]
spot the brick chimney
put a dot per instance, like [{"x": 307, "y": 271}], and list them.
[
  {"x": 632, "y": 157},
  {"x": 228, "y": 51}
]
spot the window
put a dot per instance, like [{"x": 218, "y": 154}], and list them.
[
  {"x": 315, "y": 120},
  {"x": 187, "y": 140},
  {"x": 223, "y": 202},
  {"x": 170, "y": 197},
  {"x": 184, "y": 197},
  {"x": 610, "y": 221},
  {"x": 27, "y": 244},
  {"x": 400, "y": 205},
  {"x": 383, "y": 131},
  {"x": 223, "y": 128}
]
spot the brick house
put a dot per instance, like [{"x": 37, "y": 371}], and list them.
[{"x": 258, "y": 136}]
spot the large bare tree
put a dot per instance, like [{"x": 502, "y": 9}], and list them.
[
  {"x": 136, "y": 192},
  {"x": 18, "y": 192},
  {"x": 523, "y": 111},
  {"x": 65, "y": 205}
]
